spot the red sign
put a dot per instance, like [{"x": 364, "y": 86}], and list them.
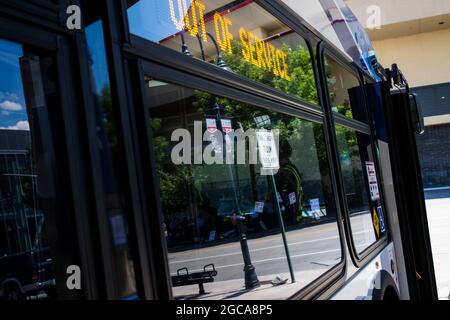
[
  {"x": 226, "y": 125},
  {"x": 211, "y": 125}
]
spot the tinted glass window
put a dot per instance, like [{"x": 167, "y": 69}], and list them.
[
  {"x": 346, "y": 93},
  {"x": 35, "y": 220},
  {"x": 361, "y": 187},
  {"x": 106, "y": 144},
  {"x": 250, "y": 41},
  {"x": 209, "y": 206}
]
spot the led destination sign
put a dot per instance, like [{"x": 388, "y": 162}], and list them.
[{"x": 261, "y": 54}]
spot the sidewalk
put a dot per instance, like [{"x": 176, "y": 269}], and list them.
[
  {"x": 235, "y": 290},
  {"x": 438, "y": 212}
]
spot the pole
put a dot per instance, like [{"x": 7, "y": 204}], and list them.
[
  {"x": 251, "y": 278},
  {"x": 283, "y": 231}
]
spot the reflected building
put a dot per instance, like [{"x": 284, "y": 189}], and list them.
[{"x": 20, "y": 218}]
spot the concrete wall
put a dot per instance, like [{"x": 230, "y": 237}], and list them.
[
  {"x": 415, "y": 34},
  {"x": 396, "y": 11},
  {"x": 424, "y": 58}
]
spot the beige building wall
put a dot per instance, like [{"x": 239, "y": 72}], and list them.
[
  {"x": 397, "y": 11},
  {"x": 424, "y": 58},
  {"x": 415, "y": 34}
]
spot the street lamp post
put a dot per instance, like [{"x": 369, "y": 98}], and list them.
[
  {"x": 251, "y": 278},
  {"x": 260, "y": 124}
]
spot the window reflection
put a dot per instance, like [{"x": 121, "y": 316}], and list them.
[
  {"x": 238, "y": 34},
  {"x": 203, "y": 221},
  {"x": 356, "y": 157},
  {"x": 107, "y": 146},
  {"x": 346, "y": 94},
  {"x": 28, "y": 206}
]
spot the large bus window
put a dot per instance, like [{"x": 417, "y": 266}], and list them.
[
  {"x": 32, "y": 215},
  {"x": 361, "y": 187},
  {"x": 250, "y": 41},
  {"x": 346, "y": 93},
  {"x": 208, "y": 206}
]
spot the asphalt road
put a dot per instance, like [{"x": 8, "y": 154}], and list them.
[{"x": 313, "y": 248}]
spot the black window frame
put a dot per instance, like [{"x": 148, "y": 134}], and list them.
[
  {"x": 163, "y": 73},
  {"x": 73, "y": 238},
  {"x": 359, "y": 259}
]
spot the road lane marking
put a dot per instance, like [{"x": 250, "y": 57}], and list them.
[
  {"x": 277, "y": 258},
  {"x": 257, "y": 250},
  {"x": 272, "y": 259},
  {"x": 254, "y": 250}
]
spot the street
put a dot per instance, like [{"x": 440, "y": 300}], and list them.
[
  {"x": 313, "y": 250},
  {"x": 438, "y": 211}
]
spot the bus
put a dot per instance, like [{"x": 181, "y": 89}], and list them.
[{"x": 205, "y": 150}]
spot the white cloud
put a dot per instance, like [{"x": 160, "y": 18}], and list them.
[
  {"x": 20, "y": 125},
  {"x": 5, "y": 113},
  {"x": 11, "y": 106}
]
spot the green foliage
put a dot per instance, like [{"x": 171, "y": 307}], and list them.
[
  {"x": 299, "y": 63},
  {"x": 302, "y": 82},
  {"x": 177, "y": 181}
]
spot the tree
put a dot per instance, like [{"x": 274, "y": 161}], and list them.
[{"x": 181, "y": 180}]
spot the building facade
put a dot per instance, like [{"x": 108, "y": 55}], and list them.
[{"x": 416, "y": 35}]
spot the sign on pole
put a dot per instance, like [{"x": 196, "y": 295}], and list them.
[{"x": 268, "y": 152}]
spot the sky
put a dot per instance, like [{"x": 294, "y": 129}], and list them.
[
  {"x": 151, "y": 19},
  {"x": 13, "y": 114},
  {"x": 97, "y": 53},
  {"x": 13, "y": 111}
]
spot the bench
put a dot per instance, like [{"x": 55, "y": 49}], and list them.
[{"x": 184, "y": 278}]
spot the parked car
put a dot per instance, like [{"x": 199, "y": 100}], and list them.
[{"x": 27, "y": 274}]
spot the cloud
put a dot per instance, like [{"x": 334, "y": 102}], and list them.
[
  {"x": 4, "y": 113},
  {"x": 11, "y": 106},
  {"x": 20, "y": 125},
  {"x": 9, "y": 96}
]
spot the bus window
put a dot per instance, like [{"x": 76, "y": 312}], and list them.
[
  {"x": 249, "y": 40},
  {"x": 362, "y": 196},
  {"x": 346, "y": 93},
  {"x": 30, "y": 194},
  {"x": 208, "y": 206}
]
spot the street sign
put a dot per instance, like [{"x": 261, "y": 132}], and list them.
[
  {"x": 381, "y": 218},
  {"x": 376, "y": 222},
  {"x": 211, "y": 125},
  {"x": 226, "y": 125},
  {"x": 373, "y": 183},
  {"x": 315, "y": 204},
  {"x": 259, "y": 206},
  {"x": 268, "y": 152}
]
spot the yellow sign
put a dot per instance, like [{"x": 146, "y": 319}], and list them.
[
  {"x": 190, "y": 17},
  {"x": 262, "y": 54},
  {"x": 376, "y": 222}
]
